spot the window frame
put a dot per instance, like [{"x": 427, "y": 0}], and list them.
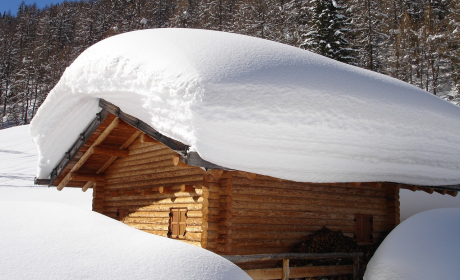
[
  {"x": 174, "y": 228},
  {"x": 364, "y": 228}
]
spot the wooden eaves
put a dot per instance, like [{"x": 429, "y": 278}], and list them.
[{"x": 190, "y": 158}]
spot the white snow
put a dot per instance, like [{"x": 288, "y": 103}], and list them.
[
  {"x": 259, "y": 106},
  {"x": 425, "y": 246},
  {"x": 18, "y": 165},
  {"x": 41, "y": 240},
  {"x": 19, "y": 157},
  {"x": 419, "y": 201}
]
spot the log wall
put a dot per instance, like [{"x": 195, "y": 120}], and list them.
[
  {"x": 267, "y": 215},
  {"x": 140, "y": 190},
  {"x": 234, "y": 212}
]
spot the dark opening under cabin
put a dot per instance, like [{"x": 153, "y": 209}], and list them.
[{"x": 251, "y": 149}]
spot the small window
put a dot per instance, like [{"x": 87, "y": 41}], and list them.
[
  {"x": 363, "y": 228},
  {"x": 177, "y": 222}
]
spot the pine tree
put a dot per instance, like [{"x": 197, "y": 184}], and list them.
[
  {"x": 327, "y": 36},
  {"x": 8, "y": 63},
  {"x": 433, "y": 68},
  {"x": 453, "y": 51},
  {"x": 370, "y": 32}
]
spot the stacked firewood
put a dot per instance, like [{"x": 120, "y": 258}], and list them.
[{"x": 328, "y": 241}]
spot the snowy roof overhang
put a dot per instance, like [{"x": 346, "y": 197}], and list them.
[
  {"x": 191, "y": 158},
  {"x": 258, "y": 106}
]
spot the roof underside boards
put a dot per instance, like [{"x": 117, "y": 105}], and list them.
[
  {"x": 118, "y": 136},
  {"x": 123, "y": 134}
]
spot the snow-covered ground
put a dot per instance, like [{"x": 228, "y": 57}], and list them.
[
  {"x": 255, "y": 105},
  {"x": 18, "y": 165},
  {"x": 424, "y": 247},
  {"x": 43, "y": 239}
]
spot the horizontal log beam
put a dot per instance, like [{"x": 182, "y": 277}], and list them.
[
  {"x": 77, "y": 176},
  {"x": 165, "y": 190},
  {"x": 157, "y": 182},
  {"x": 238, "y": 259},
  {"x": 452, "y": 193},
  {"x": 300, "y": 272},
  {"x": 443, "y": 192}
]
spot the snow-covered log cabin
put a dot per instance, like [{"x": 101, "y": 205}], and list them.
[{"x": 241, "y": 145}]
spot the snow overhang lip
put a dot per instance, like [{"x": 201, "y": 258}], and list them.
[{"x": 191, "y": 158}]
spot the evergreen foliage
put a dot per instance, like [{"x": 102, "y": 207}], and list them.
[
  {"x": 327, "y": 36},
  {"x": 416, "y": 41}
]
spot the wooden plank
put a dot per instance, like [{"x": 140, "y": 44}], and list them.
[
  {"x": 150, "y": 177},
  {"x": 302, "y": 201},
  {"x": 124, "y": 146},
  {"x": 314, "y": 271},
  {"x": 88, "y": 153},
  {"x": 238, "y": 259},
  {"x": 306, "y": 187},
  {"x": 443, "y": 192},
  {"x": 452, "y": 193},
  {"x": 427, "y": 190},
  {"x": 300, "y": 272},
  {"x": 41, "y": 181},
  {"x": 157, "y": 182},
  {"x": 106, "y": 132},
  {"x": 356, "y": 271},
  {"x": 115, "y": 172},
  {"x": 110, "y": 152},
  {"x": 286, "y": 270},
  {"x": 77, "y": 176},
  {"x": 89, "y": 184},
  {"x": 273, "y": 191}
]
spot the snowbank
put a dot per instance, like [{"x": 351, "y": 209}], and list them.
[
  {"x": 425, "y": 246},
  {"x": 54, "y": 241},
  {"x": 18, "y": 157},
  {"x": 18, "y": 165},
  {"x": 258, "y": 106}
]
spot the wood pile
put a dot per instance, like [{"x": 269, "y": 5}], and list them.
[{"x": 329, "y": 241}]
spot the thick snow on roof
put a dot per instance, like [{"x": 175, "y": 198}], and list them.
[
  {"x": 259, "y": 106},
  {"x": 57, "y": 241},
  {"x": 425, "y": 246}
]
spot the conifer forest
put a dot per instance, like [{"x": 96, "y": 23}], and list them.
[{"x": 416, "y": 41}]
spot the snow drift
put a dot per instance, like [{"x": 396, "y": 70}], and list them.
[
  {"x": 259, "y": 106},
  {"x": 425, "y": 246},
  {"x": 53, "y": 241}
]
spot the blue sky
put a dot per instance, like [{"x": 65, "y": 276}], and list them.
[{"x": 13, "y": 5}]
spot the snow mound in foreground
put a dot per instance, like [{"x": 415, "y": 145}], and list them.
[
  {"x": 259, "y": 106},
  {"x": 54, "y": 241},
  {"x": 425, "y": 246}
]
